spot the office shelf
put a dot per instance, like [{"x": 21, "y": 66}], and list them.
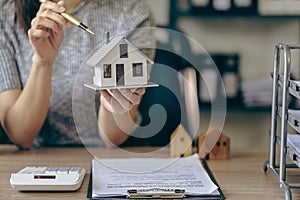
[
  {"x": 181, "y": 8},
  {"x": 283, "y": 86}
]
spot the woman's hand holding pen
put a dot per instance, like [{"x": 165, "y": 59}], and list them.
[
  {"x": 119, "y": 101},
  {"x": 46, "y": 32}
]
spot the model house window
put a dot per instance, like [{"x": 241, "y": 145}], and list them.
[
  {"x": 137, "y": 69},
  {"x": 123, "y": 51},
  {"x": 107, "y": 70}
]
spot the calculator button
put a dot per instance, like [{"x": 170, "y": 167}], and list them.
[
  {"x": 63, "y": 170},
  {"x": 39, "y": 170},
  {"x": 51, "y": 170},
  {"x": 27, "y": 170},
  {"x": 75, "y": 170}
]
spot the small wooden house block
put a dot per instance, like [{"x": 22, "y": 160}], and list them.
[
  {"x": 214, "y": 144},
  {"x": 119, "y": 63},
  {"x": 180, "y": 143}
]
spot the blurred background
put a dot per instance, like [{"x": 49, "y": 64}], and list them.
[{"x": 240, "y": 36}]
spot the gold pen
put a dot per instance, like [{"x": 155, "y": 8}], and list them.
[{"x": 73, "y": 20}]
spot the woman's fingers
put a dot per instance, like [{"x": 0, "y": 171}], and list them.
[
  {"x": 106, "y": 99},
  {"x": 133, "y": 95},
  {"x": 139, "y": 91},
  {"x": 121, "y": 100},
  {"x": 110, "y": 103},
  {"x": 55, "y": 7},
  {"x": 49, "y": 16},
  {"x": 38, "y": 33},
  {"x": 45, "y": 23},
  {"x": 56, "y": 17},
  {"x": 116, "y": 94}
]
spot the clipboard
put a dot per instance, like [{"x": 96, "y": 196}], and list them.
[{"x": 163, "y": 194}]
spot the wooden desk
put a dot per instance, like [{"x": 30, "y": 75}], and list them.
[{"x": 241, "y": 177}]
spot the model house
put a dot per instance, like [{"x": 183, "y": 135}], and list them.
[
  {"x": 210, "y": 147},
  {"x": 119, "y": 63},
  {"x": 180, "y": 143}
]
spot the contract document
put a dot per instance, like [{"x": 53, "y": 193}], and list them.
[{"x": 115, "y": 177}]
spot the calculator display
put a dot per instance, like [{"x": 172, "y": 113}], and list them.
[{"x": 44, "y": 177}]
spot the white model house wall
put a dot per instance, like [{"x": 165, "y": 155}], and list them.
[
  {"x": 113, "y": 58},
  {"x": 97, "y": 75}
]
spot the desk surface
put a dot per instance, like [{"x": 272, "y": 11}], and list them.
[{"x": 241, "y": 177}]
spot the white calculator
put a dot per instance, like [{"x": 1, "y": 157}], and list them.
[{"x": 48, "y": 178}]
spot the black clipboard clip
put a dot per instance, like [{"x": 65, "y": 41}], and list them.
[{"x": 156, "y": 193}]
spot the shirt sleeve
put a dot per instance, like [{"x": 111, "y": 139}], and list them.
[{"x": 9, "y": 74}]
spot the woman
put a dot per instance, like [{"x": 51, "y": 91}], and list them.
[{"x": 39, "y": 60}]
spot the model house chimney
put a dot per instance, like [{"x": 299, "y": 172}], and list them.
[{"x": 107, "y": 37}]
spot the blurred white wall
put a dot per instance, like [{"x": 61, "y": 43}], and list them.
[{"x": 160, "y": 10}]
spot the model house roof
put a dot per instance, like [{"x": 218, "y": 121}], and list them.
[{"x": 106, "y": 48}]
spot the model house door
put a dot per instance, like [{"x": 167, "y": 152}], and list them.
[{"x": 120, "y": 74}]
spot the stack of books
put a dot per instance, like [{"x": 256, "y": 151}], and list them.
[{"x": 257, "y": 93}]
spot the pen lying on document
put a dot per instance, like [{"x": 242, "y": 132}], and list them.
[{"x": 73, "y": 20}]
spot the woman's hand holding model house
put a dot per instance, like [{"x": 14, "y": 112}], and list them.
[
  {"x": 119, "y": 101},
  {"x": 118, "y": 108}
]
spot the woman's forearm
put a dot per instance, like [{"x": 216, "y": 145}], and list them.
[
  {"x": 115, "y": 128},
  {"x": 26, "y": 116}
]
